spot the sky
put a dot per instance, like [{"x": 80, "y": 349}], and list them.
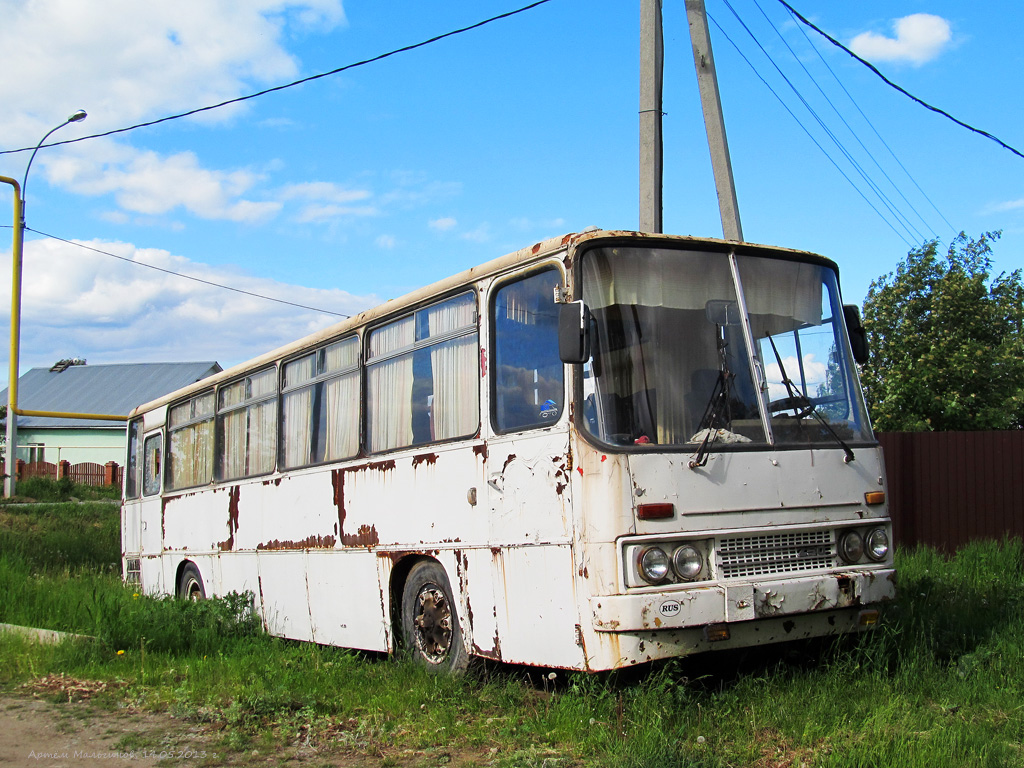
[{"x": 355, "y": 188}]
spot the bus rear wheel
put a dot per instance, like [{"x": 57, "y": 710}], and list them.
[
  {"x": 430, "y": 621},
  {"x": 190, "y": 583}
]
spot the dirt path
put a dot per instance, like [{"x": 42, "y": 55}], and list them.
[{"x": 40, "y": 732}]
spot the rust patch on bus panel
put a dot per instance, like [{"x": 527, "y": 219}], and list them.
[
  {"x": 275, "y": 481},
  {"x": 338, "y": 482},
  {"x": 481, "y": 451},
  {"x": 509, "y": 460},
  {"x": 483, "y": 363},
  {"x": 382, "y": 466},
  {"x": 234, "y": 494},
  {"x": 366, "y": 536},
  {"x": 424, "y": 458},
  {"x": 311, "y": 542}
]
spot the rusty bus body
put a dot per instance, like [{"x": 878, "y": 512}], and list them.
[{"x": 682, "y": 489}]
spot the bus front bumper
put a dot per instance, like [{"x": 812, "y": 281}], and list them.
[{"x": 680, "y": 607}]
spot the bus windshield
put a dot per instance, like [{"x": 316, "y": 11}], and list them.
[{"x": 690, "y": 347}]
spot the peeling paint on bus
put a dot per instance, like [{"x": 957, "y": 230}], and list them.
[
  {"x": 313, "y": 542},
  {"x": 366, "y": 536}
]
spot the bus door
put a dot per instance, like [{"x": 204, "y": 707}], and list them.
[
  {"x": 150, "y": 503},
  {"x": 528, "y": 473}
]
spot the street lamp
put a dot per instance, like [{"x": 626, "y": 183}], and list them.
[{"x": 16, "y": 260}]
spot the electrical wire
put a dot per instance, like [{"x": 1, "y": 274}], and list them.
[
  {"x": 890, "y": 83},
  {"x": 885, "y": 202},
  {"x": 276, "y": 88},
  {"x": 809, "y": 134},
  {"x": 839, "y": 114},
  {"x": 874, "y": 130},
  {"x": 899, "y": 217},
  {"x": 184, "y": 276}
]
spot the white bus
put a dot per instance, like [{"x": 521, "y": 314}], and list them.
[{"x": 602, "y": 450}]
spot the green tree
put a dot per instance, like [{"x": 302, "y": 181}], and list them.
[{"x": 947, "y": 348}]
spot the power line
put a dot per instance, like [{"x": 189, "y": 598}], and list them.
[
  {"x": 264, "y": 92},
  {"x": 901, "y": 220},
  {"x": 809, "y": 134},
  {"x": 890, "y": 83},
  {"x": 842, "y": 119},
  {"x": 874, "y": 130},
  {"x": 186, "y": 277}
]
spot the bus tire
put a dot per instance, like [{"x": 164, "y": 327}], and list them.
[
  {"x": 190, "y": 583},
  {"x": 430, "y": 621}
]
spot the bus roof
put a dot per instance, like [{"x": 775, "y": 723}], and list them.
[{"x": 536, "y": 252}]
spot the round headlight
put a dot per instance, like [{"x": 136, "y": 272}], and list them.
[
  {"x": 653, "y": 564},
  {"x": 851, "y": 547},
  {"x": 687, "y": 562},
  {"x": 876, "y": 544}
]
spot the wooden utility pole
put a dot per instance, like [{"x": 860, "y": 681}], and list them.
[
  {"x": 651, "y": 79},
  {"x": 714, "y": 122}
]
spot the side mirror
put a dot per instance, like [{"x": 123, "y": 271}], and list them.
[
  {"x": 858, "y": 336},
  {"x": 573, "y": 339}
]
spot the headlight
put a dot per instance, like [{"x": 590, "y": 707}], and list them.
[
  {"x": 851, "y": 547},
  {"x": 687, "y": 562},
  {"x": 653, "y": 564},
  {"x": 876, "y": 544}
]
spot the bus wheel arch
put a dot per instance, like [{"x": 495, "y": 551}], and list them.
[
  {"x": 189, "y": 582},
  {"x": 427, "y": 611}
]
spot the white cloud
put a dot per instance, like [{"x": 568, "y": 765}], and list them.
[
  {"x": 127, "y": 61},
  {"x": 78, "y": 302},
  {"x": 386, "y": 242},
  {"x": 919, "y": 38},
  {"x": 812, "y": 371},
  {"x": 1009, "y": 205},
  {"x": 481, "y": 234},
  {"x": 324, "y": 191},
  {"x": 443, "y": 224},
  {"x": 148, "y": 183}
]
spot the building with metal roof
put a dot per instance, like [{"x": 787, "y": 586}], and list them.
[{"x": 71, "y": 386}]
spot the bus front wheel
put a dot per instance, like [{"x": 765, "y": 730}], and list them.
[
  {"x": 430, "y": 621},
  {"x": 190, "y": 583}
]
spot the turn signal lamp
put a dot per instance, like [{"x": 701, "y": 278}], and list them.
[
  {"x": 716, "y": 632},
  {"x": 874, "y": 498},
  {"x": 655, "y": 511},
  {"x": 868, "y": 618}
]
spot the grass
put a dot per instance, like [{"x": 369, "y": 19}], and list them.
[{"x": 940, "y": 683}]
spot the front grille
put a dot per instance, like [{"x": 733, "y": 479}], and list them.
[{"x": 774, "y": 553}]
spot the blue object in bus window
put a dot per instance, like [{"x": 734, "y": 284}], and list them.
[{"x": 549, "y": 410}]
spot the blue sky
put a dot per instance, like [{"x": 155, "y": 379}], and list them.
[{"x": 356, "y": 188}]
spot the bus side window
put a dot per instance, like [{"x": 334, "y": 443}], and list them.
[
  {"x": 151, "y": 465},
  {"x": 132, "y": 470},
  {"x": 528, "y": 375}
]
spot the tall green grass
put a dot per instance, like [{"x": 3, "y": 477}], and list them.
[{"x": 939, "y": 683}]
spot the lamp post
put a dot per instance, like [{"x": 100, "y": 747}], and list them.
[{"x": 16, "y": 261}]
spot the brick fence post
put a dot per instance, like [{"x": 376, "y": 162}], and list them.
[
  {"x": 19, "y": 469},
  {"x": 63, "y": 469},
  {"x": 110, "y": 473}
]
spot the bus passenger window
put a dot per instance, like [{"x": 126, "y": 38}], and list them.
[
  {"x": 151, "y": 465},
  {"x": 131, "y": 474},
  {"x": 528, "y": 374},
  {"x": 422, "y": 375}
]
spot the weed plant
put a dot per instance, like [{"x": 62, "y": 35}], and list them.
[
  {"x": 938, "y": 683},
  {"x": 43, "y": 489}
]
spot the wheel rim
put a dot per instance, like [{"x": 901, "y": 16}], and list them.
[
  {"x": 433, "y": 624},
  {"x": 192, "y": 590}
]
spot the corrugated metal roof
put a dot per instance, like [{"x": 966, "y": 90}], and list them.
[{"x": 110, "y": 389}]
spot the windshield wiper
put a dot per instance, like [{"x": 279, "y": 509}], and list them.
[{"x": 799, "y": 400}]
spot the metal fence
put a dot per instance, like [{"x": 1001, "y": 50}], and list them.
[
  {"x": 86, "y": 473},
  {"x": 947, "y": 488}
]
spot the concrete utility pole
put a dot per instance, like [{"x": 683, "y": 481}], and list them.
[
  {"x": 714, "y": 122},
  {"x": 651, "y": 78}
]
